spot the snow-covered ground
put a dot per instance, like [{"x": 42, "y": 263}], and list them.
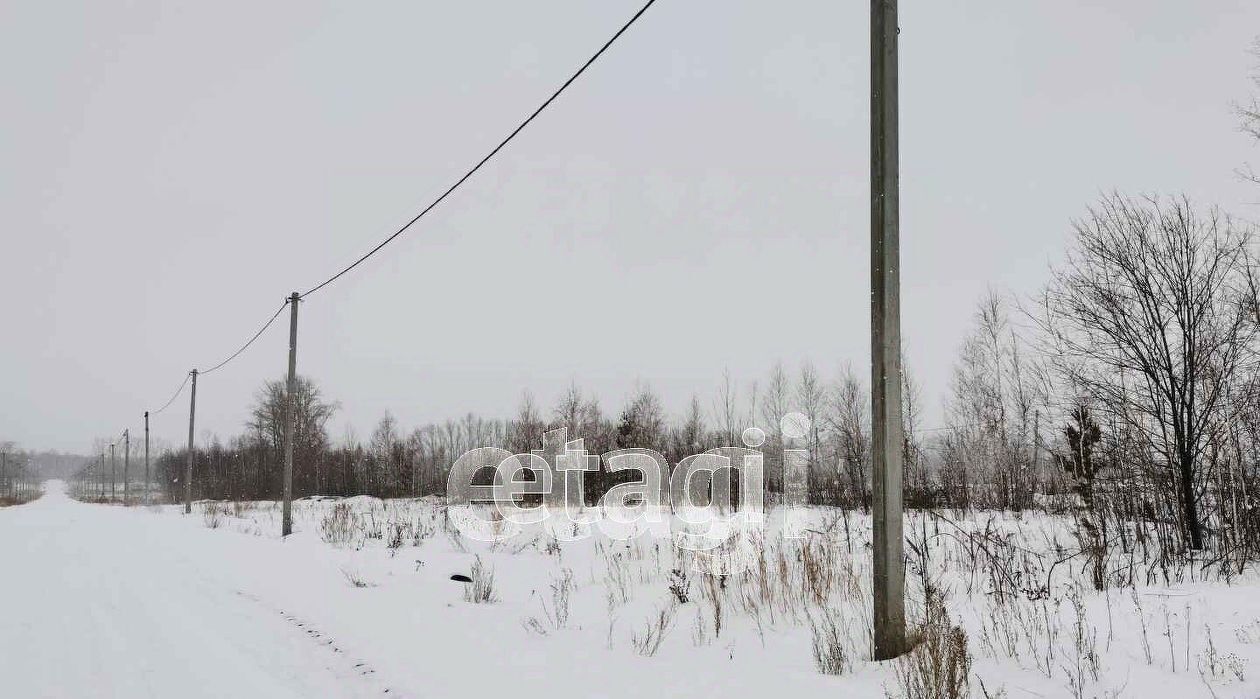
[
  {"x": 99, "y": 601},
  {"x": 104, "y": 601}
]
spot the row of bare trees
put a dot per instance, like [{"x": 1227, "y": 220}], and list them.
[
  {"x": 394, "y": 463},
  {"x": 1130, "y": 384},
  {"x": 19, "y": 477},
  {"x": 1129, "y": 388}
]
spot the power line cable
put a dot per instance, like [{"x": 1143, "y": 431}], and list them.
[
  {"x": 223, "y": 363},
  {"x": 428, "y": 208},
  {"x": 244, "y": 347},
  {"x": 173, "y": 397},
  {"x": 490, "y": 155}
]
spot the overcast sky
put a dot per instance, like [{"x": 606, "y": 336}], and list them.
[{"x": 699, "y": 200}]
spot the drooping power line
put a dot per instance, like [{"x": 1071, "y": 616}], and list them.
[
  {"x": 488, "y": 156},
  {"x": 244, "y": 347},
  {"x": 173, "y": 397},
  {"x": 221, "y": 364}
]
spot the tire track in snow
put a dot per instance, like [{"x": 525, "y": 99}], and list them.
[{"x": 359, "y": 667}]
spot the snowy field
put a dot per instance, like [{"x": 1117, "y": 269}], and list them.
[{"x": 103, "y": 601}]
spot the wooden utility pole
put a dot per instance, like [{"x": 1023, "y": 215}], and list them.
[
  {"x": 192, "y": 417},
  {"x": 113, "y": 472},
  {"x": 126, "y": 466},
  {"x": 147, "y": 482},
  {"x": 286, "y": 519},
  {"x": 886, "y": 426}
]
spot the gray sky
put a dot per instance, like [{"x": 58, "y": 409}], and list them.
[{"x": 169, "y": 171}]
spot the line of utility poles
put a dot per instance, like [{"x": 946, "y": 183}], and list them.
[{"x": 886, "y": 427}]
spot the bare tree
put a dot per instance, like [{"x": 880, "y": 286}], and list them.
[
  {"x": 1249, "y": 112},
  {"x": 642, "y": 424},
  {"x": 775, "y": 403},
  {"x": 310, "y": 434},
  {"x": 726, "y": 408},
  {"x": 1148, "y": 316},
  {"x": 850, "y": 422},
  {"x": 568, "y": 411},
  {"x": 389, "y": 458},
  {"x": 582, "y": 417},
  {"x": 811, "y": 398},
  {"x": 526, "y": 430},
  {"x": 916, "y": 482},
  {"x": 975, "y": 410},
  {"x": 995, "y": 395},
  {"x": 691, "y": 437}
]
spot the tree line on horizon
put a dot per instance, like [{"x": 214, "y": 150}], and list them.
[{"x": 1128, "y": 388}]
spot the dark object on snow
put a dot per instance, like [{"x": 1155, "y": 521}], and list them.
[{"x": 461, "y": 578}]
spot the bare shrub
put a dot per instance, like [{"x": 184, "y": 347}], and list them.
[
  {"x": 648, "y": 640},
  {"x": 481, "y": 589},
  {"x": 423, "y": 530},
  {"x": 940, "y": 666},
  {"x": 830, "y": 642},
  {"x": 818, "y": 566},
  {"x": 339, "y": 526},
  {"x": 561, "y": 591},
  {"x": 212, "y": 513},
  {"x": 712, "y": 589},
  {"x": 1084, "y": 645},
  {"x": 534, "y": 626},
  {"x": 355, "y": 579},
  {"x": 396, "y": 535},
  {"x": 679, "y": 585},
  {"x": 700, "y": 630},
  {"x": 618, "y": 577}
]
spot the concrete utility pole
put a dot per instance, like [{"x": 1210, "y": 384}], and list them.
[
  {"x": 113, "y": 472},
  {"x": 146, "y": 457},
  {"x": 886, "y": 426},
  {"x": 192, "y": 417},
  {"x": 126, "y": 466},
  {"x": 286, "y": 520}
]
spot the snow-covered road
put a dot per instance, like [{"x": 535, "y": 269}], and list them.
[
  {"x": 106, "y": 601},
  {"x": 103, "y": 602}
]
